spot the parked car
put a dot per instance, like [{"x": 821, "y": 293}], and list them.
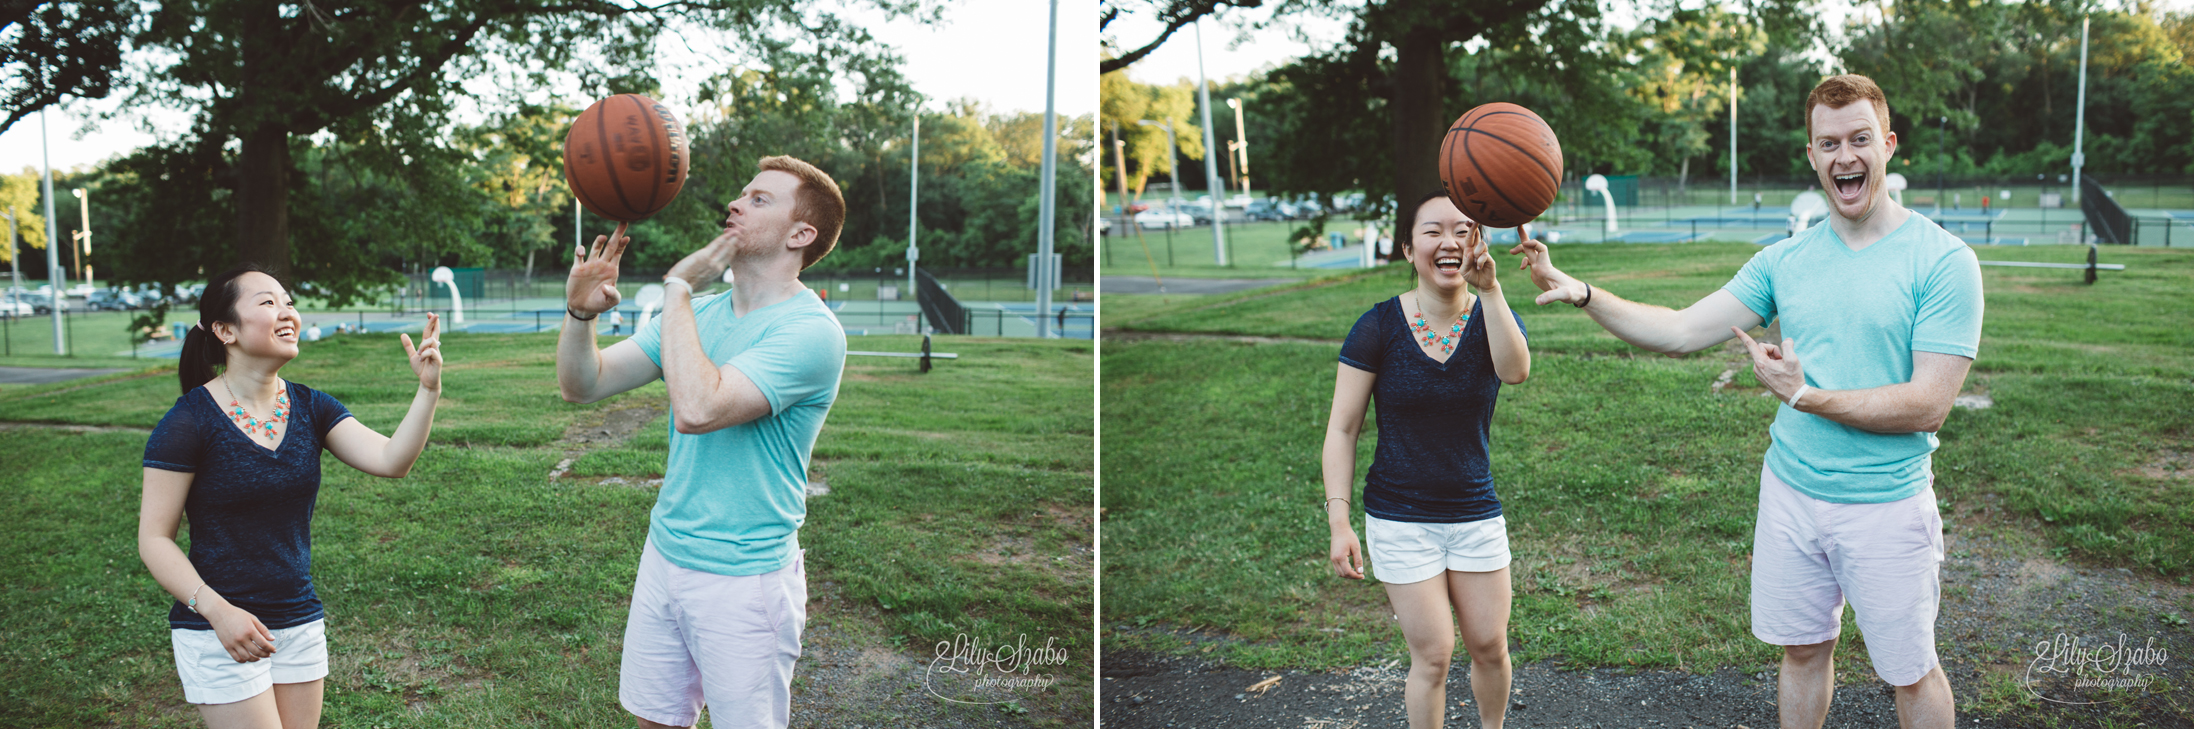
[
  {"x": 1164, "y": 217},
  {"x": 1198, "y": 209},
  {"x": 1266, "y": 209},
  {"x": 11, "y": 308},
  {"x": 41, "y": 303},
  {"x": 113, "y": 299},
  {"x": 1239, "y": 200}
]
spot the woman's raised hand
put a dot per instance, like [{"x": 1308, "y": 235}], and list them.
[
  {"x": 426, "y": 359},
  {"x": 1478, "y": 266}
]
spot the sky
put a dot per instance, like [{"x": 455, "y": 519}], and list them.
[{"x": 990, "y": 50}]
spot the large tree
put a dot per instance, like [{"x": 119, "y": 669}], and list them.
[
  {"x": 265, "y": 73},
  {"x": 50, "y": 51}
]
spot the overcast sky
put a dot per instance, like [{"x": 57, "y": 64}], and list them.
[{"x": 991, "y": 50}]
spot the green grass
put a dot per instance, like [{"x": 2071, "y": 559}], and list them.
[
  {"x": 1629, "y": 486},
  {"x": 1256, "y": 250},
  {"x": 477, "y": 592}
]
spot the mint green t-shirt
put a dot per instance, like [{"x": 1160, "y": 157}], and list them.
[
  {"x": 1857, "y": 317},
  {"x": 733, "y": 500}
]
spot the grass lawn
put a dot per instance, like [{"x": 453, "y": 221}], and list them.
[
  {"x": 1256, "y": 250},
  {"x": 480, "y": 592},
  {"x": 1629, "y": 484}
]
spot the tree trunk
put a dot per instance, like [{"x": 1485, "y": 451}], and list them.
[
  {"x": 262, "y": 200},
  {"x": 263, "y": 163},
  {"x": 1420, "y": 86}
]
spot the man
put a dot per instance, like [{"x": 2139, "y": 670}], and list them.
[
  {"x": 721, "y": 594},
  {"x": 1881, "y": 310}
]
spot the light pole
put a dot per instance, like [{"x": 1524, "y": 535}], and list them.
[
  {"x": 914, "y": 183},
  {"x": 2079, "y": 124},
  {"x": 1241, "y": 144},
  {"x": 1215, "y": 186},
  {"x": 1942, "y": 150},
  {"x": 1732, "y": 136},
  {"x": 1173, "y": 161},
  {"x": 1046, "y": 269},
  {"x": 53, "y": 258},
  {"x": 15, "y": 273},
  {"x": 83, "y": 200}
]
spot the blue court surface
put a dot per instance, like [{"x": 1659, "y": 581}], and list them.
[{"x": 1736, "y": 219}]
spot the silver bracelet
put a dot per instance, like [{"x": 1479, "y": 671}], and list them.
[
  {"x": 1328, "y": 505},
  {"x": 192, "y": 606}
]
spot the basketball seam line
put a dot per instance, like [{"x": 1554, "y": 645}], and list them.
[
  {"x": 655, "y": 189},
  {"x": 1520, "y": 148},
  {"x": 609, "y": 164},
  {"x": 1482, "y": 173}
]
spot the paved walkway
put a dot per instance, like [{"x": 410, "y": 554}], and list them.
[{"x": 46, "y": 375}]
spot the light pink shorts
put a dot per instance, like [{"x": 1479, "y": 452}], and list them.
[
  {"x": 698, "y": 638},
  {"x": 1809, "y": 556}
]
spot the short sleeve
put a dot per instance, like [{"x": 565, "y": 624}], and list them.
[
  {"x": 1366, "y": 346},
  {"x": 326, "y": 412},
  {"x": 1949, "y": 317},
  {"x": 800, "y": 358},
  {"x": 178, "y": 442},
  {"x": 1754, "y": 285},
  {"x": 650, "y": 336}
]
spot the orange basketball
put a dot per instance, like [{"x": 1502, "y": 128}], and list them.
[
  {"x": 1501, "y": 164},
  {"x": 625, "y": 158}
]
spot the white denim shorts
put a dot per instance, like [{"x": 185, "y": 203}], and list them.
[
  {"x": 1810, "y": 556},
  {"x": 728, "y": 642},
  {"x": 211, "y": 676},
  {"x": 1405, "y": 552}
]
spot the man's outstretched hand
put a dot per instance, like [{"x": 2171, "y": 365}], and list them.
[
  {"x": 592, "y": 288},
  {"x": 1557, "y": 286}
]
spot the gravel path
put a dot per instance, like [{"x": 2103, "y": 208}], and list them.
[{"x": 2005, "y": 595}]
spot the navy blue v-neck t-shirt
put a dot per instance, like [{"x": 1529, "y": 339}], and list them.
[
  {"x": 250, "y": 508},
  {"x": 1431, "y": 464}
]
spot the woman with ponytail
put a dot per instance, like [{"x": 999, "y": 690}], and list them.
[{"x": 240, "y": 453}]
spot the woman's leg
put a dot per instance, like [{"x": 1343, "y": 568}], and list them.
[
  {"x": 257, "y": 712},
  {"x": 299, "y": 703},
  {"x": 1428, "y": 624},
  {"x": 1481, "y": 606}
]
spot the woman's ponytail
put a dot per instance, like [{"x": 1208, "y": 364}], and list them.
[{"x": 201, "y": 351}]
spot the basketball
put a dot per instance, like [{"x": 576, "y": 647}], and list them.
[
  {"x": 625, "y": 158},
  {"x": 1501, "y": 165}
]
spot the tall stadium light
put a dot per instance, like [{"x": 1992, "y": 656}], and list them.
[
  {"x": 1732, "y": 140},
  {"x": 53, "y": 257},
  {"x": 2079, "y": 124},
  {"x": 83, "y": 200},
  {"x": 1215, "y": 185},
  {"x": 914, "y": 184},
  {"x": 1048, "y": 207},
  {"x": 1241, "y": 144}
]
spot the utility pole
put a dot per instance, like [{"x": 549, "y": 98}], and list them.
[
  {"x": 1241, "y": 143},
  {"x": 15, "y": 272},
  {"x": 2079, "y": 125},
  {"x": 1047, "y": 208},
  {"x": 53, "y": 257},
  {"x": 1733, "y": 134},
  {"x": 83, "y": 199},
  {"x": 914, "y": 201},
  {"x": 1217, "y": 185}
]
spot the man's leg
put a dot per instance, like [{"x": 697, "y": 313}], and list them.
[
  {"x": 746, "y": 640},
  {"x": 1927, "y": 704},
  {"x": 658, "y": 682},
  {"x": 1796, "y": 600},
  {"x": 1806, "y": 685}
]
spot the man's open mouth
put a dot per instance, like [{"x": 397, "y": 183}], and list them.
[{"x": 1849, "y": 185}]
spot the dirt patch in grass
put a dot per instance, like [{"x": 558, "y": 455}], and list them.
[{"x": 2169, "y": 465}]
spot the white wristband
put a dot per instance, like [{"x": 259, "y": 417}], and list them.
[
  {"x": 1799, "y": 395},
  {"x": 668, "y": 280}
]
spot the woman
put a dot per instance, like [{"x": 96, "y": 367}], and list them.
[
  {"x": 240, "y": 453},
  {"x": 1435, "y": 357}
]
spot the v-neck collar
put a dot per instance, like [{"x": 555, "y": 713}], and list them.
[
  {"x": 1411, "y": 331},
  {"x": 238, "y": 430},
  {"x": 1838, "y": 238}
]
